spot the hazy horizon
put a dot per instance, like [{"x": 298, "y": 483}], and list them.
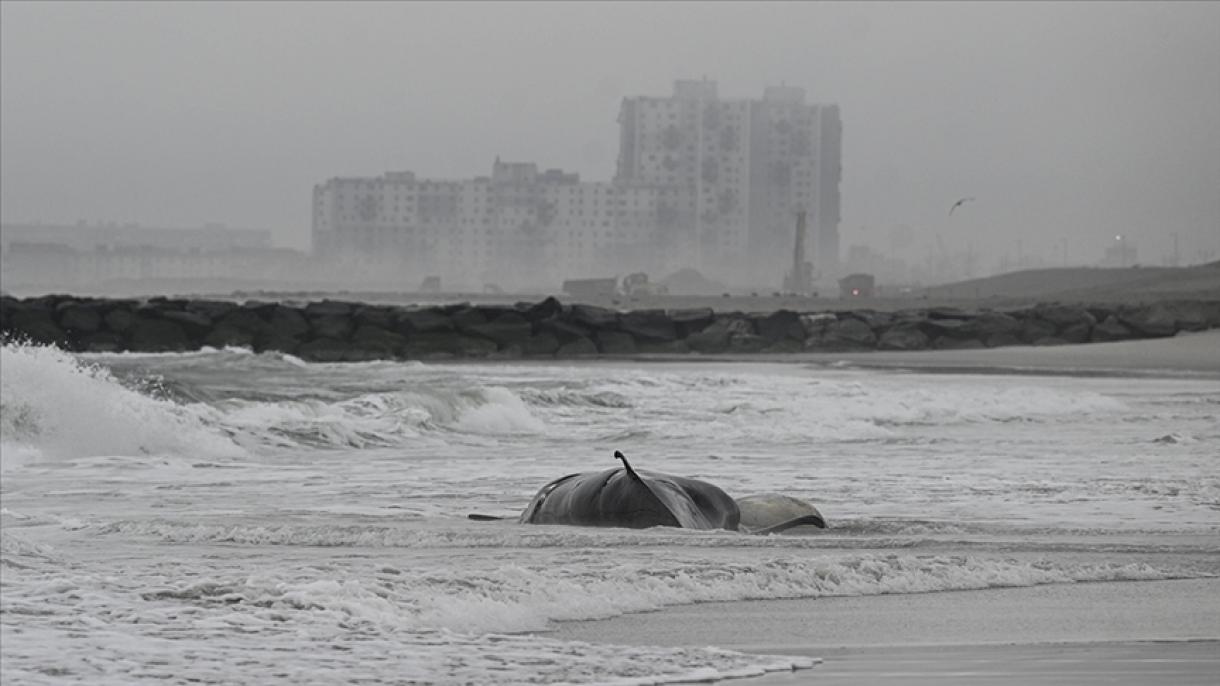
[{"x": 1069, "y": 123}]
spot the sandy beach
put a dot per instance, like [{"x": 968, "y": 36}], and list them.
[
  {"x": 1132, "y": 633},
  {"x": 1186, "y": 352}
]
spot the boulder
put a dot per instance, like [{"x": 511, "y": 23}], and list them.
[
  {"x": 1035, "y": 328},
  {"x": 1064, "y": 316},
  {"x": 544, "y": 310},
  {"x": 540, "y": 344},
  {"x": 429, "y": 344},
  {"x": 275, "y": 342},
  {"x": 579, "y": 347},
  {"x": 691, "y": 320},
  {"x": 592, "y": 317},
  {"x": 987, "y": 324},
  {"x": 120, "y": 319},
  {"x": 287, "y": 322},
  {"x": 843, "y": 334},
  {"x": 244, "y": 320},
  {"x": 564, "y": 331},
  {"x": 374, "y": 338},
  {"x": 783, "y": 346},
  {"x": 423, "y": 321},
  {"x": 510, "y": 352},
  {"x": 81, "y": 318},
  {"x": 614, "y": 343},
  {"x": 381, "y": 316},
  {"x": 1110, "y": 329},
  {"x": 37, "y": 326},
  {"x": 157, "y": 336},
  {"x": 335, "y": 326},
  {"x": 877, "y": 321},
  {"x": 1167, "y": 318},
  {"x": 938, "y": 328},
  {"x": 1149, "y": 320},
  {"x": 322, "y": 350},
  {"x": 195, "y": 324},
  {"x": 212, "y": 309},
  {"x": 747, "y": 343},
  {"x": 946, "y": 313},
  {"x": 508, "y": 329},
  {"x": 329, "y": 308},
  {"x": 467, "y": 318},
  {"x": 716, "y": 337},
  {"x": 903, "y": 336},
  {"x": 651, "y": 326},
  {"x": 816, "y": 324},
  {"x": 102, "y": 342},
  {"x": 1080, "y": 332},
  {"x": 780, "y": 325}
]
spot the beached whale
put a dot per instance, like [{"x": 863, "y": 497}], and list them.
[{"x": 623, "y": 497}]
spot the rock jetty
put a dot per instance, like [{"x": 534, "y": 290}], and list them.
[{"x": 337, "y": 331}]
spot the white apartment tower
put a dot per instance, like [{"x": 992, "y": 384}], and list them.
[{"x": 737, "y": 171}]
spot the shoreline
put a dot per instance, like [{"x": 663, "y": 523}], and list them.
[
  {"x": 1186, "y": 352},
  {"x": 1130, "y": 632}
]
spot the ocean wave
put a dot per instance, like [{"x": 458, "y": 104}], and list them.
[
  {"x": 54, "y": 405},
  {"x": 517, "y": 596}
]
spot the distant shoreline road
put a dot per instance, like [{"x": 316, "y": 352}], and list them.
[{"x": 352, "y": 331}]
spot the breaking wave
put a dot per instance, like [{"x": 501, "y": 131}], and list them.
[{"x": 56, "y": 406}]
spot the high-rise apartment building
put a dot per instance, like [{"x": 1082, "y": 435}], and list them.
[
  {"x": 703, "y": 182},
  {"x": 739, "y": 171}
]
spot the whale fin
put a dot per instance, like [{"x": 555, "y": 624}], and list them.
[
  {"x": 627, "y": 464},
  {"x": 813, "y": 519}
]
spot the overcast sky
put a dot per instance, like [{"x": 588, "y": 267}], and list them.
[{"x": 1065, "y": 121}]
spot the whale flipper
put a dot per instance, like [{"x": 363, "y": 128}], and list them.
[
  {"x": 768, "y": 513},
  {"x": 813, "y": 519},
  {"x": 486, "y": 518}
]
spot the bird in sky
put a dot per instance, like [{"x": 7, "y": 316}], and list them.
[{"x": 958, "y": 204}]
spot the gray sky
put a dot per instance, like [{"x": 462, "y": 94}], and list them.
[{"x": 1076, "y": 121}]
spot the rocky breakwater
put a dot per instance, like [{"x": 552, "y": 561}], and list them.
[{"x": 335, "y": 331}]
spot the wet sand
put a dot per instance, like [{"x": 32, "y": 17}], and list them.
[
  {"x": 1186, "y": 352},
  {"x": 1123, "y": 632}
]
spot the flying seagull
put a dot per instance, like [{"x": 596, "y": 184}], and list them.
[{"x": 959, "y": 203}]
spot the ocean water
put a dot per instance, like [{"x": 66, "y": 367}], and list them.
[{"x": 227, "y": 517}]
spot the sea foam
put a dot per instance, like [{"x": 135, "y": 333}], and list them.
[{"x": 53, "y": 406}]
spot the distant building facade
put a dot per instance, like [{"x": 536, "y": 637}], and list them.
[
  {"x": 703, "y": 182},
  {"x": 83, "y": 236},
  {"x": 514, "y": 229},
  {"x": 738, "y": 172},
  {"x": 103, "y": 258}
]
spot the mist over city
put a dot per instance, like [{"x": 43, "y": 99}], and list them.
[
  {"x": 511, "y": 147},
  {"x": 763, "y": 343}
]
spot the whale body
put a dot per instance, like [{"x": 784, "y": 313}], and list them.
[
  {"x": 636, "y": 500},
  {"x": 624, "y": 497}
]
